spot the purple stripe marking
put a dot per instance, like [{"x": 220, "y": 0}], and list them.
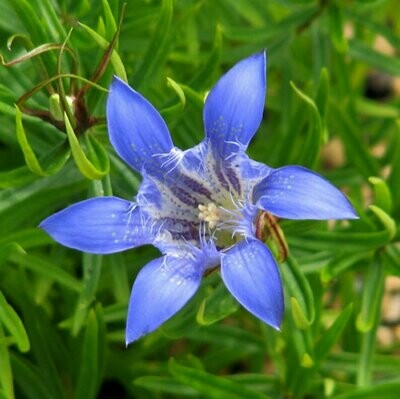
[
  {"x": 220, "y": 176},
  {"x": 232, "y": 177}
]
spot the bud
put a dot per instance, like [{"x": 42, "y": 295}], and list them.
[{"x": 56, "y": 108}]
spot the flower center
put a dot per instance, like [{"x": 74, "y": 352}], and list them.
[
  {"x": 227, "y": 224},
  {"x": 210, "y": 213}
]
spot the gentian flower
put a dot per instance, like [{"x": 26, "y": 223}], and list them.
[{"x": 199, "y": 207}]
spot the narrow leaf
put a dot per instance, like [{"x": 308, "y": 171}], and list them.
[
  {"x": 370, "y": 308},
  {"x": 299, "y": 288},
  {"x": 383, "y": 390},
  {"x": 367, "y": 54},
  {"x": 350, "y": 136},
  {"x": 166, "y": 385},
  {"x": 385, "y": 219},
  {"x": 218, "y": 305},
  {"x": 116, "y": 61},
  {"x": 155, "y": 53},
  {"x": 382, "y": 194},
  {"x": 87, "y": 384},
  {"x": 91, "y": 275},
  {"x": 313, "y": 141},
  {"x": 82, "y": 162},
  {"x": 330, "y": 337},
  {"x": 110, "y": 23},
  {"x": 211, "y": 385},
  {"x": 13, "y": 323},
  {"x": 29, "y": 155},
  {"x": 6, "y": 376},
  {"x": 46, "y": 268},
  {"x": 336, "y": 27},
  {"x": 204, "y": 77}
]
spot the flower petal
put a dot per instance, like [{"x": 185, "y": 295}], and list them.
[
  {"x": 294, "y": 192},
  {"x": 251, "y": 274},
  {"x": 137, "y": 131},
  {"x": 99, "y": 225},
  {"x": 234, "y": 107},
  {"x": 160, "y": 290}
]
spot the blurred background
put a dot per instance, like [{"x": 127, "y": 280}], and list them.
[{"x": 333, "y": 105}]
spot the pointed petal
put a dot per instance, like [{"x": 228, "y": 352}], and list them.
[
  {"x": 294, "y": 192},
  {"x": 137, "y": 131},
  {"x": 99, "y": 225},
  {"x": 160, "y": 290},
  {"x": 234, "y": 107},
  {"x": 251, "y": 274}
]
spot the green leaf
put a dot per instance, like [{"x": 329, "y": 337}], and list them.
[
  {"x": 385, "y": 219},
  {"x": 225, "y": 336},
  {"x": 16, "y": 177},
  {"x": 29, "y": 155},
  {"x": 216, "y": 306},
  {"x": 382, "y": 194},
  {"x": 177, "y": 108},
  {"x": 377, "y": 26},
  {"x": 298, "y": 314},
  {"x": 367, "y": 54},
  {"x": 30, "y": 20},
  {"x": 29, "y": 379},
  {"x": 284, "y": 28},
  {"x": 7, "y": 249},
  {"x": 377, "y": 109},
  {"x": 82, "y": 162},
  {"x": 6, "y": 376},
  {"x": 204, "y": 77},
  {"x": 306, "y": 361},
  {"x": 330, "y": 337},
  {"x": 336, "y": 27},
  {"x": 394, "y": 177},
  {"x": 43, "y": 48},
  {"x": 370, "y": 307},
  {"x": 350, "y": 135},
  {"x": 25, "y": 238},
  {"x": 52, "y": 162},
  {"x": 116, "y": 61},
  {"x": 97, "y": 153},
  {"x": 383, "y": 390},
  {"x": 157, "y": 48},
  {"x": 55, "y": 160},
  {"x": 339, "y": 240},
  {"x": 178, "y": 90},
  {"x": 51, "y": 20},
  {"x": 166, "y": 385},
  {"x": 110, "y": 23},
  {"x": 45, "y": 267},
  {"x": 340, "y": 264},
  {"x": 87, "y": 384},
  {"x": 7, "y": 109},
  {"x": 46, "y": 348},
  {"x": 183, "y": 323},
  {"x": 313, "y": 140},
  {"x": 392, "y": 255},
  {"x": 322, "y": 93},
  {"x": 91, "y": 275},
  {"x": 117, "y": 266},
  {"x": 31, "y": 16},
  {"x": 13, "y": 323},
  {"x": 299, "y": 289},
  {"x": 211, "y": 385}
]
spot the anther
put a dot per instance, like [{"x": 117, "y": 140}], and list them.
[{"x": 210, "y": 213}]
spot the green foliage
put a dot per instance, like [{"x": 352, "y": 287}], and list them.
[{"x": 62, "y": 313}]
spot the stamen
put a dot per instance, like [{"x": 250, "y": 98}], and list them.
[{"x": 210, "y": 214}]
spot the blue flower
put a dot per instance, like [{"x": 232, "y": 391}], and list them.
[{"x": 198, "y": 207}]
